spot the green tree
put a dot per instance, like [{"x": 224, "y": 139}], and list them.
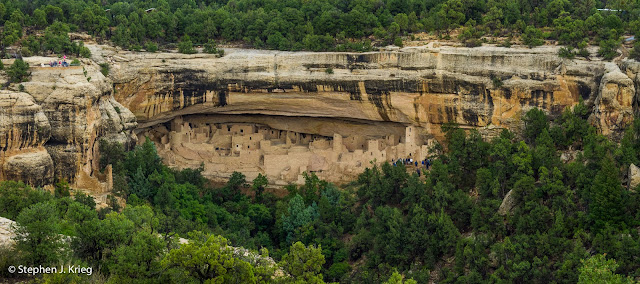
[
  {"x": 535, "y": 120},
  {"x": 258, "y": 186},
  {"x": 398, "y": 42},
  {"x": 62, "y": 189},
  {"x": 403, "y": 21},
  {"x": 207, "y": 259},
  {"x": 303, "y": 263},
  {"x": 186, "y": 46},
  {"x": 607, "y": 198},
  {"x": 139, "y": 261},
  {"x": 493, "y": 18},
  {"x": 299, "y": 217},
  {"x": 532, "y": 37},
  {"x": 19, "y": 71},
  {"x": 150, "y": 46},
  {"x": 469, "y": 35},
  {"x": 609, "y": 48},
  {"x": 56, "y": 38},
  {"x": 396, "y": 278},
  {"x": 39, "y": 18},
  {"x": 211, "y": 47},
  {"x": 566, "y": 52},
  {"x": 11, "y": 33},
  {"x": 95, "y": 240},
  {"x": 635, "y": 52},
  {"x": 16, "y": 196},
  {"x": 598, "y": 269},
  {"x": 38, "y": 234},
  {"x": 450, "y": 15}
]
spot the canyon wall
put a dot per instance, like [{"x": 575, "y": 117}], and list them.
[
  {"x": 423, "y": 86},
  {"x": 372, "y": 98},
  {"x": 50, "y": 126},
  {"x": 284, "y": 113}
]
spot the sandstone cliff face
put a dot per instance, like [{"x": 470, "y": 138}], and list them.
[
  {"x": 423, "y": 86},
  {"x": 369, "y": 99},
  {"x": 329, "y": 113},
  {"x": 51, "y": 130},
  {"x": 24, "y": 129},
  {"x": 631, "y": 68},
  {"x": 613, "y": 107}
]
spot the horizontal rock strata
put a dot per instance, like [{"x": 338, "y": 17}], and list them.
[{"x": 51, "y": 130}]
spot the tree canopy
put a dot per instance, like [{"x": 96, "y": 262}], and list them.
[
  {"x": 570, "y": 220},
  {"x": 319, "y": 25}
]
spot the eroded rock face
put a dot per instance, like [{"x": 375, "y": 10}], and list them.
[
  {"x": 34, "y": 167},
  {"x": 613, "y": 108},
  {"x": 487, "y": 88},
  {"x": 51, "y": 130},
  {"x": 421, "y": 86},
  {"x": 24, "y": 129},
  {"x": 23, "y": 124}
]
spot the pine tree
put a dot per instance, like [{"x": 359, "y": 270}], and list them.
[
  {"x": 607, "y": 199},
  {"x": 186, "y": 46},
  {"x": 19, "y": 71}
]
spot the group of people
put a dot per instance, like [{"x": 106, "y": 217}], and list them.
[
  {"x": 426, "y": 163},
  {"x": 59, "y": 63}
]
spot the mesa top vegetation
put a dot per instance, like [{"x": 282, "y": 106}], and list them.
[{"x": 318, "y": 25}]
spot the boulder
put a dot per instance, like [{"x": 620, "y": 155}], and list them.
[
  {"x": 34, "y": 168},
  {"x": 634, "y": 177},
  {"x": 6, "y": 232},
  {"x": 508, "y": 203}
]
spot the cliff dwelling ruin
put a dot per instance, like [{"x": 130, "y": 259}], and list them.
[{"x": 282, "y": 155}]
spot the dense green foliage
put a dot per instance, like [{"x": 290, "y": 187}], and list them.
[
  {"x": 388, "y": 226},
  {"x": 598, "y": 269},
  {"x": 311, "y": 25},
  {"x": 18, "y": 71}
]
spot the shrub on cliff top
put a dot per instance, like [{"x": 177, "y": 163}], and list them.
[
  {"x": 567, "y": 52},
  {"x": 151, "y": 47},
  {"x": 398, "y": 42},
  {"x": 19, "y": 71},
  {"x": 186, "y": 46},
  {"x": 532, "y": 37},
  {"x": 635, "y": 52},
  {"x": 211, "y": 47},
  {"x": 609, "y": 48},
  {"x": 104, "y": 69}
]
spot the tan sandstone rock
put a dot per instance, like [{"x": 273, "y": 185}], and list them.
[
  {"x": 65, "y": 111},
  {"x": 24, "y": 129},
  {"x": 34, "y": 167},
  {"x": 362, "y": 111},
  {"x": 613, "y": 109},
  {"x": 6, "y": 232},
  {"x": 422, "y": 86},
  {"x": 634, "y": 177},
  {"x": 508, "y": 203}
]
